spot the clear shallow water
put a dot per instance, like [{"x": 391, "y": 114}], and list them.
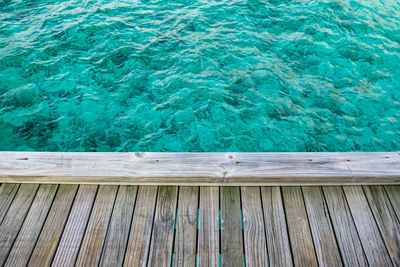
[{"x": 173, "y": 75}]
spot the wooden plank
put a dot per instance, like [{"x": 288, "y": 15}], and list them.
[
  {"x": 393, "y": 193},
  {"x": 163, "y": 229},
  {"x": 275, "y": 227},
  {"x": 72, "y": 236},
  {"x": 7, "y": 194},
  {"x": 208, "y": 236},
  {"x": 30, "y": 230},
  {"x": 201, "y": 168},
  {"x": 14, "y": 218},
  {"x": 368, "y": 231},
  {"x": 142, "y": 225},
  {"x": 343, "y": 225},
  {"x": 92, "y": 244},
  {"x": 299, "y": 230},
  {"x": 386, "y": 220},
  {"x": 118, "y": 230},
  {"x": 50, "y": 235},
  {"x": 231, "y": 227},
  {"x": 186, "y": 227},
  {"x": 323, "y": 235},
  {"x": 253, "y": 227}
]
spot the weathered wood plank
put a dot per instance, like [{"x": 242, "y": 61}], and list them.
[
  {"x": 7, "y": 194},
  {"x": 231, "y": 227},
  {"x": 299, "y": 231},
  {"x": 208, "y": 236},
  {"x": 14, "y": 218},
  {"x": 253, "y": 227},
  {"x": 324, "y": 238},
  {"x": 368, "y": 231},
  {"x": 141, "y": 229},
  {"x": 74, "y": 231},
  {"x": 118, "y": 231},
  {"x": 30, "y": 230},
  {"x": 201, "y": 168},
  {"x": 186, "y": 227},
  {"x": 96, "y": 230},
  {"x": 50, "y": 235},
  {"x": 163, "y": 229},
  {"x": 343, "y": 225},
  {"x": 275, "y": 227},
  {"x": 393, "y": 193},
  {"x": 386, "y": 220}
]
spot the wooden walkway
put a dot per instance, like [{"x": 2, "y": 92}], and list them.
[{"x": 111, "y": 225}]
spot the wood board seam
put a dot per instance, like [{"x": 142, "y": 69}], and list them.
[
  {"x": 377, "y": 225},
  {"x": 152, "y": 227},
  {"x": 333, "y": 228},
  {"x": 87, "y": 223},
  {"x": 355, "y": 226},
  {"x": 22, "y": 223},
  {"x": 130, "y": 226}
]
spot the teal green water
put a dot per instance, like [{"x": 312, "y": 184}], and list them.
[{"x": 200, "y": 75}]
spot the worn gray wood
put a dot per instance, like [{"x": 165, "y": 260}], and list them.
[
  {"x": 7, "y": 194},
  {"x": 231, "y": 227},
  {"x": 386, "y": 220},
  {"x": 30, "y": 230},
  {"x": 208, "y": 236},
  {"x": 368, "y": 231},
  {"x": 347, "y": 236},
  {"x": 50, "y": 235},
  {"x": 141, "y": 229},
  {"x": 163, "y": 229},
  {"x": 275, "y": 226},
  {"x": 68, "y": 248},
  {"x": 14, "y": 218},
  {"x": 96, "y": 230},
  {"x": 324, "y": 238},
  {"x": 253, "y": 227},
  {"x": 201, "y": 168},
  {"x": 393, "y": 193},
  {"x": 186, "y": 227},
  {"x": 118, "y": 230},
  {"x": 299, "y": 231}
]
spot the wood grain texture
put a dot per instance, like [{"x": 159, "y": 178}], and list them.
[
  {"x": 201, "y": 168},
  {"x": 141, "y": 229},
  {"x": 186, "y": 227},
  {"x": 386, "y": 220},
  {"x": 299, "y": 231},
  {"x": 14, "y": 218},
  {"x": 118, "y": 230},
  {"x": 393, "y": 193},
  {"x": 163, "y": 229},
  {"x": 30, "y": 230},
  {"x": 275, "y": 226},
  {"x": 253, "y": 227},
  {"x": 231, "y": 227},
  {"x": 323, "y": 235},
  {"x": 346, "y": 233},
  {"x": 68, "y": 248},
  {"x": 51, "y": 233},
  {"x": 208, "y": 236},
  {"x": 7, "y": 194},
  {"x": 368, "y": 231},
  {"x": 96, "y": 230}
]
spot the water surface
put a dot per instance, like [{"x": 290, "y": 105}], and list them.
[{"x": 175, "y": 75}]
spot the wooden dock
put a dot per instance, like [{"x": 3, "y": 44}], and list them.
[
  {"x": 202, "y": 169},
  {"x": 127, "y": 225}
]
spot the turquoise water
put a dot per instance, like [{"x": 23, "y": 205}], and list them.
[{"x": 200, "y": 75}]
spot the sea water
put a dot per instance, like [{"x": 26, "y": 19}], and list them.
[{"x": 200, "y": 75}]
